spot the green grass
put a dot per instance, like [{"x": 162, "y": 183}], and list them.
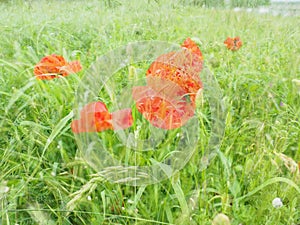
[{"x": 48, "y": 181}]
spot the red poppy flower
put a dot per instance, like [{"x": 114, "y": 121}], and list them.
[
  {"x": 168, "y": 100},
  {"x": 182, "y": 67},
  {"x": 94, "y": 117},
  {"x": 193, "y": 47},
  {"x": 233, "y": 44},
  {"x": 163, "y": 103},
  {"x": 53, "y": 66}
]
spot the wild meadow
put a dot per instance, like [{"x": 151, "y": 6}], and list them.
[{"x": 44, "y": 178}]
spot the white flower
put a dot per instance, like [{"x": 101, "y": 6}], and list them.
[{"x": 277, "y": 203}]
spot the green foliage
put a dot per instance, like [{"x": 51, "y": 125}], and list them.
[
  {"x": 222, "y": 3},
  {"x": 206, "y": 3},
  {"x": 248, "y": 3}
]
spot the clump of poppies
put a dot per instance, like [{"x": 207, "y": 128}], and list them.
[{"x": 233, "y": 44}]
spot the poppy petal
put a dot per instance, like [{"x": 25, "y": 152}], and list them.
[
  {"x": 92, "y": 122},
  {"x": 161, "y": 108},
  {"x": 79, "y": 126},
  {"x": 53, "y": 66},
  {"x": 72, "y": 67},
  {"x": 93, "y": 107},
  {"x": 94, "y": 117},
  {"x": 122, "y": 119},
  {"x": 182, "y": 67},
  {"x": 163, "y": 114},
  {"x": 191, "y": 45}
]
